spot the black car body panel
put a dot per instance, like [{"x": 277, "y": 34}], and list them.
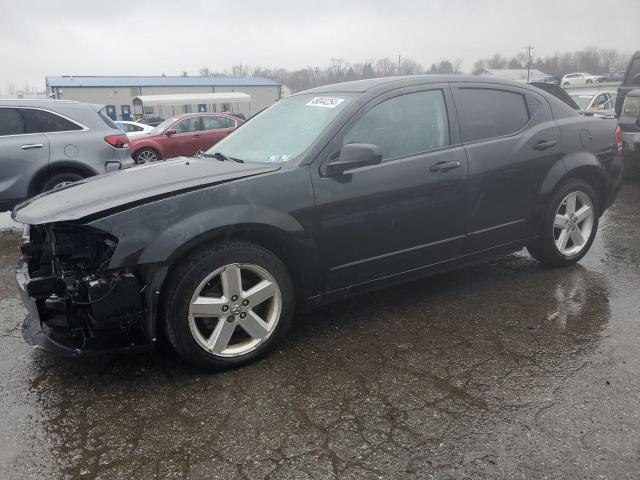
[
  {"x": 126, "y": 187},
  {"x": 373, "y": 226}
]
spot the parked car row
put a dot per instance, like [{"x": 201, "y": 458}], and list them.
[
  {"x": 325, "y": 194},
  {"x": 46, "y": 144}
]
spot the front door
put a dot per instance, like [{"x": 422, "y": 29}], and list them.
[
  {"x": 406, "y": 213},
  {"x": 187, "y": 139},
  {"x": 512, "y": 141}
]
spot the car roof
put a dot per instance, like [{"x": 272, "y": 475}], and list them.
[
  {"x": 361, "y": 86},
  {"x": 37, "y": 102}
]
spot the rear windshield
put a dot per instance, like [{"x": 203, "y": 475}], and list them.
[{"x": 582, "y": 100}]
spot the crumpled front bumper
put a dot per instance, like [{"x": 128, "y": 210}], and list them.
[{"x": 58, "y": 342}]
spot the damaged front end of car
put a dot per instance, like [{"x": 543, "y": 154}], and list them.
[{"x": 77, "y": 304}]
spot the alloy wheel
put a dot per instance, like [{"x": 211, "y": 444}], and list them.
[
  {"x": 235, "y": 309},
  {"x": 573, "y": 223},
  {"x": 147, "y": 156}
]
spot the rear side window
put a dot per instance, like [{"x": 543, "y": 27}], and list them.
[
  {"x": 487, "y": 113},
  {"x": 213, "y": 123},
  {"x": 11, "y": 122},
  {"x": 404, "y": 125},
  {"x": 229, "y": 123},
  {"x": 41, "y": 121}
]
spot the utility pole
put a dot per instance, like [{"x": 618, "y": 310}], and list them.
[
  {"x": 528, "y": 48},
  {"x": 399, "y": 62},
  {"x": 317, "y": 70}
]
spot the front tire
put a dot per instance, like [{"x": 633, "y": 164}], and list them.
[
  {"x": 228, "y": 305},
  {"x": 146, "y": 155},
  {"x": 569, "y": 225}
]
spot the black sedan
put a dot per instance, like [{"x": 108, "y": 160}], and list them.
[{"x": 326, "y": 194}]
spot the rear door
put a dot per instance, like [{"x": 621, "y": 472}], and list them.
[
  {"x": 511, "y": 142},
  {"x": 214, "y": 129},
  {"x": 23, "y": 152}
]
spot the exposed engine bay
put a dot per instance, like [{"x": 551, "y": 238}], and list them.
[{"x": 81, "y": 303}]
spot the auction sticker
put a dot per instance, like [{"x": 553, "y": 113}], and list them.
[{"x": 325, "y": 102}]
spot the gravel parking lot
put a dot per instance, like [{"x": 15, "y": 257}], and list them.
[{"x": 503, "y": 370}]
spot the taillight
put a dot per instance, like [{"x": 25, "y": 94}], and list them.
[
  {"x": 619, "y": 139},
  {"x": 117, "y": 141}
]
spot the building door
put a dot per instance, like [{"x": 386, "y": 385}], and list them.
[
  {"x": 126, "y": 112},
  {"x": 111, "y": 112},
  {"x": 202, "y": 107}
]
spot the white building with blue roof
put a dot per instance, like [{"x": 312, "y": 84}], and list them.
[{"x": 118, "y": 92}]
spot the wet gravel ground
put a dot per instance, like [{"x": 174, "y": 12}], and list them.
[{"x": 503, "y": 370}]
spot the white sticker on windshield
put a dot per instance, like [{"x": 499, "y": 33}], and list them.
[{"x": 325, "y": 102}]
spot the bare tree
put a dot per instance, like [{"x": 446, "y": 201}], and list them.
[{"x": 385, "y": 67}]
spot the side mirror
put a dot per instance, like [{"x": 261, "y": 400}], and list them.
[
  {"x": 354, "y": 155},
  {"x": 636, "y": 79},
  {"x": 170, "y": 132}
]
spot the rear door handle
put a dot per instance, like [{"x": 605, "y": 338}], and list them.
[
  {"x": 445, "y": 166},
  {"x": 196, "y": 136},
  {"x": 32, "y": 146},
  {"x": 544, "y": 144}
]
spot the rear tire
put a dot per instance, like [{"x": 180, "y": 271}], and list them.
[
  {"x": 213, "y": 324},
  {"x": 58, "y": 180},
  {"x": 558, "y": 218}
]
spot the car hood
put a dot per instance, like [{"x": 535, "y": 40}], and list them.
[{"x": 132, "y": 186}]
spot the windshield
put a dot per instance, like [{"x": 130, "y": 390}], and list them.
[
  {"x": 582, "y": 100},
  {"x": 284, "y": 130},
  {"x": 162, "y": 127}
]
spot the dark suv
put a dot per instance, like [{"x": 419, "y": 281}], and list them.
[
  {"x": 325, "y": 194},
  {"x": 628, "y": 113},
  {"x": 45, "y": 144}
]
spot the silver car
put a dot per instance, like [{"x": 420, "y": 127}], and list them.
[{"x": 45, "y": 144}]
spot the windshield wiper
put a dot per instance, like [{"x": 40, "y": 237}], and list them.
[{"x": 222, "y": 157}]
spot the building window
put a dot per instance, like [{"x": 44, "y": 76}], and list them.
[
  {"x": 186, "y": 108},
  {"x": 148, "y": 110}
]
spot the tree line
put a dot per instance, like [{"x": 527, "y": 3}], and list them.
[{"x": 592, "y": 60}]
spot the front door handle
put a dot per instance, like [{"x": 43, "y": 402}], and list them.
[
  {"x": 32, "y": 146},
  {"x": 196, "y": 136},
  {"x": 544, "y": 144},
  {"x": 445, "y": 166}
]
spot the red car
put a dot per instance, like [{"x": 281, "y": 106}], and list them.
[{"x": 183, "y": 135}]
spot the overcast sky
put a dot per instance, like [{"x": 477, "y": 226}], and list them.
[{"x": 150, "y": 37}]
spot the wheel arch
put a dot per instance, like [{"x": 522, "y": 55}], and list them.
[
  {"x": 272, "y": 238},
  {"x": 582, "y": 166},
  {"x": 54, "y": 168}
]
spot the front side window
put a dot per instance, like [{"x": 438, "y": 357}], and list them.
[
  {"x": 285, "y": 130},
  {"x": 11, "y": 122},
  {"x": 486, "y": 113},
  {"x": 404, "y": 125},
  {"x": 188, "y": 125},
  {"x": 42, "y": 121}
]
